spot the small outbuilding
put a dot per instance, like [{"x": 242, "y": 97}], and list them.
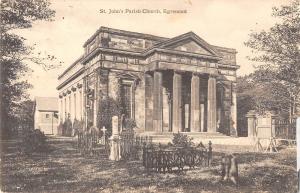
[{"x": 46, "y": 115}]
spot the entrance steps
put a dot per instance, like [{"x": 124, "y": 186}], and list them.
[{"x": 167, "y": 137}]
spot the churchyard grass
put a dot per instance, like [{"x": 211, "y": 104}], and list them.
[{"x": 63, "y": 169}]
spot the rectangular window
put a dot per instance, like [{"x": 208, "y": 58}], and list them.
[
  {"x": 126, "y": 100},
  {"x": 47, "y": 116}
]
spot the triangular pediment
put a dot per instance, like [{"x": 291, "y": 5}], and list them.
[
  {"x": 189, "y": 46},
  {"x": 188, "y": 42},
  {"x": 129, "y": 76}
]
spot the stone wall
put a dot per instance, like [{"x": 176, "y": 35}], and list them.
[{"x": 113, "y": 85}]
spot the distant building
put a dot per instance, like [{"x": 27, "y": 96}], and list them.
[
  {"x": 166, "y": 85},
  {"x": 46, "y": 115}
]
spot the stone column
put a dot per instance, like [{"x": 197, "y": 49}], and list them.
[
  {"x": 251, "y": 118},
  {"x": 158, "y": 102},
  {"x": 63, "y": 113},
  {"x": 166, "y": 109},
  {"x": 233, "y": 125},
  {"x": 72, "y": 104},
  {"x": 211, "y": 105},
  {"x": 95, "y": 107},
  {"x": 202, "y": 118},
  {"x": 82, "y": 105},
  {"x": 77, "y": 104},
  {"x": 195, "y": 103},
  {"x": 177, "y": 102},
  {"x": 60, "y": 109},
  {"x": 148, "y": 102},
  {"x": 68, "y": 104}
]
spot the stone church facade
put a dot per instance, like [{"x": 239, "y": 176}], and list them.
[{"x": 180, "y": 84}]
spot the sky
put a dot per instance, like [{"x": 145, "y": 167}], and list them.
[{"x": 219, "y": 22}]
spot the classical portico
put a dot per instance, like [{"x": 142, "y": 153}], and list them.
[
  {"x": 165, "y": 85},
  {"x": 198, "y": 113}
]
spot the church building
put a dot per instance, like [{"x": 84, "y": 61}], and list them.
[{"x": 167, "y": 85}]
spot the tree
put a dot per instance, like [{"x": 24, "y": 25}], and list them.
[
  {"x": 277, "y": 51},
  {"x": 255, "y": 94},
  {"x": 108, "y": 107},
  {"x": 15, "y": 55}
]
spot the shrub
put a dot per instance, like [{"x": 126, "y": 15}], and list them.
[
  {"x": 108, "y": 108},
  {"x": 77, "y": 126},
  {"x": 181, "y": 140},
  {"x": 67, "y": 131},
  {"x": 33, "y": 141},
  {"x": 129, "y": 124},
  {"x": 60, "y": 128}
]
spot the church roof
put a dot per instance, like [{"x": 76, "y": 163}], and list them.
[
  {"x": 124, "y": 32},
  {"x": 187, "y": 36}
]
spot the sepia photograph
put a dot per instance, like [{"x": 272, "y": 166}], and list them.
[{"x": 160, "y": 96}]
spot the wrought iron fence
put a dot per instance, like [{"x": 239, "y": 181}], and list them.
[
  {"x": 168, "y": 159},
  {"x": 92, "y": 143},
  {"x": 284, "y": 129},
  {"x": 131, "y": 145}
]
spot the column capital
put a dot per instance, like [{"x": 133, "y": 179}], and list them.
[
  {"x": 212, "y": 76},
  {"x": 158, "y": 70},
  {"x": 178, "y": 72},
  {"x": 198, "y": 73},
  {"x": 233, "y": 86},
  {"x": 73, "y": 88},
  {"x": 251, "y": 114}
]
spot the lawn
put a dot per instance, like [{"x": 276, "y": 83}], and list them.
[{"x": 63, "y": 169}]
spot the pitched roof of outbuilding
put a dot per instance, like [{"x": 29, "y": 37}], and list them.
[{"x": 46, "y": 103}]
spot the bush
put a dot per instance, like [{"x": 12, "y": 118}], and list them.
[
  {"x": 67, "y": 128},
  {"x": 181, "y": 140},
  {"x": 129, "y": 124},
  {"x": 33, "y": 141},
  {"x": 78, "y": 127},
  {"x": 108, "y": 108},
  {"x": 60, "y": 128}
]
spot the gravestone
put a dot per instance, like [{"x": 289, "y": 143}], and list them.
[{"x": 115, "y": 141}]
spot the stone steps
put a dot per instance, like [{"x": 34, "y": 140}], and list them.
[{"x": 167, "y": 137}]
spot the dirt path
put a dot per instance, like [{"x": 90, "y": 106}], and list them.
[{"x": 64, "y": 170}]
